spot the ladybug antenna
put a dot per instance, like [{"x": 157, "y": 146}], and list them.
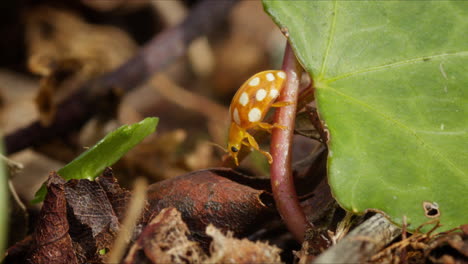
[{"x": 218, "y": 146}]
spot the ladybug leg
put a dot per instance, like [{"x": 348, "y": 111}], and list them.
[
  {"x": 281, "y": 104},
  {"x": 268, "y": 127},
  {"x": 253, "y": 143}
]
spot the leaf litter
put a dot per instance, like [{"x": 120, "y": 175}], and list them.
[{"x": 80, "y": 218}]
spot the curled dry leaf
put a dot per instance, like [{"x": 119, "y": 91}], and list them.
[
  {"x": 208, "y": 196},
  {"x": 84, "y": 217},
  {"x": 97, "y": 208},
  {"x": 93, "y": 222},
  {"x": 66, "y": 51},
  {"x": 51, "y": 241},
  {"x": 78, "y": 219},
  {"x": 165, "y": 240},
  {"x": 226, "y": 249}
]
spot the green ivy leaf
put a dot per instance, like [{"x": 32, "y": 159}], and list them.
[
  {"x": 392, "y": 87},
  {"x": 106, "y": 152}
]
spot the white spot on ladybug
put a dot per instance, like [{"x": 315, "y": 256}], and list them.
[
  {"x": 254, "y": 82},
  {"x": 281, "y": 74},
  {"x": 236, "y": 117},
  {"x": 270, "y": 77},
  {"x": 274, "y": 93},
  {"x": 244, "y": 99},
  {"x": 254, "y": 115},
  {"x": 260, "y": 95}
]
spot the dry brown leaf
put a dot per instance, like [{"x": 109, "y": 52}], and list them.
[
  {"x": 52, "y": 243},
  {"x": 209, "y": 196}
]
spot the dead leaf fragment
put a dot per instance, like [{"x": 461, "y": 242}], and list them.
[
  {"x": 52, "y": 243},
  {"x": 207, "y": 197},
  {"x": 118, "y": 197},
  {"x": 97, "y": 208},
  {"x": 78, "y": 220}
]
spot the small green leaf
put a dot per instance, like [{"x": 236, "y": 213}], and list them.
[
  {"x": 392, "y": 87},
  {"x": 106, "y": 152}
]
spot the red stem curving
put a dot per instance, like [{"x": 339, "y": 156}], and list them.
[{"x": 282, "y": 182}]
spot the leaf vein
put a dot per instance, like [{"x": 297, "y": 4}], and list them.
[
  {"x": 398, "y": 123},
  {"x": 395, "y": 64},
  {"x": 331, "y": 35}
]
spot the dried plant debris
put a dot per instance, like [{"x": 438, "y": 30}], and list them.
[
  {"x": 446, "y": 247},
  {"x": 226, "y": 249},
  {"x": 304, "y": 255},
  {"x": 66, "y": 51},
  {"x": 449, "y": 247},
  {"x": 165, "y": 240},
  {"x": 80, "y": 220}
]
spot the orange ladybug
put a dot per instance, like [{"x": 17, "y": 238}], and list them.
[{"x": 249, "y": 106}]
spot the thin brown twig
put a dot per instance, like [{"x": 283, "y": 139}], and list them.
[{"x": 74, "y": 111}]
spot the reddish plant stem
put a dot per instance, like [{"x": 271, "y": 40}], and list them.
[
  {"x": 282, "y": 182},
  {"x": 92, "y": 97}
]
